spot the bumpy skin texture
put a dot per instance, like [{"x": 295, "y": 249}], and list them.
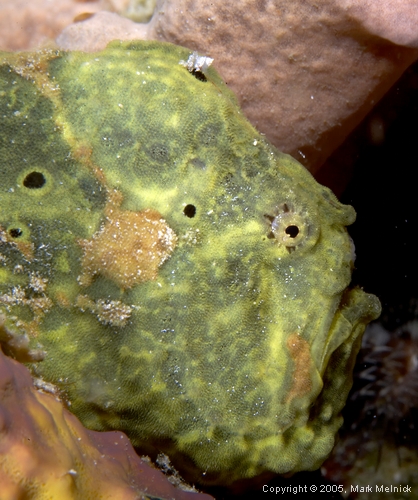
[{"x": 230, "y": 343}]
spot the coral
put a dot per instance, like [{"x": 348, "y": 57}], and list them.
[
  {"x": 305, "y": 73},
  {"x": 45, "y": 452},
  {"x": 376, "y": 470},
  {"x": 234, "y": 355},
  {"x": 389, "y": 377},
  {"x": 378, "y": 442}
]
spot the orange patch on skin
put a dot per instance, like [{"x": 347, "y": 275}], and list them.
[
  {"x": 301, "y": 354},
  {"x": 82, "y": 153},
  {"x": 129, "y": 248},
  {"x": 35, "y": 68},
  {"x": 25, "y": 248},
  {"x": 63, "y": 299}
]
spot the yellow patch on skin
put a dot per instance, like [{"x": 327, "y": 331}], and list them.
[
  {"x": 129, "y": 248},
  {"x": 301, "y": 354}
]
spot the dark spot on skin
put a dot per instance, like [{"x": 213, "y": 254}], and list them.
[
  {"x": 250, "y": 169},
  {"x": 199, "y": 76},
  {"x": 15, "y": 232},
  {"x": 159, "y": 152},
  {"x": 189, "y": 211},
  {"x": 228, "y": 179},
  {"x": 93, "y": 192},
  {"x": 195, "y": 162},
  {"x": 34, "y": 180},
  {"x": 208, "y": 135}
]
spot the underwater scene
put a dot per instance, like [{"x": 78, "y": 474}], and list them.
[{"x": 207, "y": 265}]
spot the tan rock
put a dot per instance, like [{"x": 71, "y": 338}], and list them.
[
  {"x": 28, "y": 24},
  {"x": 95, "y": 33}
]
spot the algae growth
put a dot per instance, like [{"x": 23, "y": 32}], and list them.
[{"x": 182, "y": 280}]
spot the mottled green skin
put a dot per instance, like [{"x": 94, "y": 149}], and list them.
[{"x": 203, "y": 368}]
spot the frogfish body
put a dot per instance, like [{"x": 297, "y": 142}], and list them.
[{"x": 172, "y": 273}]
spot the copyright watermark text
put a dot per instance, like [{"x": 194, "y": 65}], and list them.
[
  {"x": 282, "y": 490},
  {"x": 333, "y": 488}
]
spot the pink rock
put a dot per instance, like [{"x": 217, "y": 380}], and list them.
[{"x": 395, "y": 20}]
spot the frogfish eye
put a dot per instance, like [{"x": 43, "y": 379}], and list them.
[{"x": 292, "y": 228}]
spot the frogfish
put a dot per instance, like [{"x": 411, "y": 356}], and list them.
[{"x": 169, "y": 271}]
